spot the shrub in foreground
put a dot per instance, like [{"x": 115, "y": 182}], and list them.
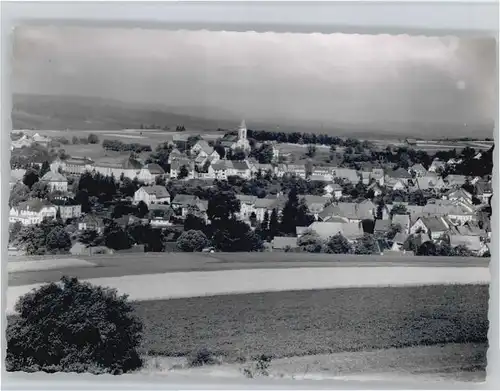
[
  {"x": 201, "y": 357},
  {"x": 73, "y": 327}
]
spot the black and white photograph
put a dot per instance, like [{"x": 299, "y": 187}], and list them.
[{"x": 250, "y": 205}]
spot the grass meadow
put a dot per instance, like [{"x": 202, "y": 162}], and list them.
[{"x": 297, "y": 323}]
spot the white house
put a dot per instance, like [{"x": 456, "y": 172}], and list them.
[
  {"x": 150, "y": 172},
  {"x": 152, "y": 195},
  {"x": 434, "y": 226},
  {"x": 437, "y": 165},
  {"x": 55, "y": 181},
  {"x": 32, "y": 212},
  {"x": 92, "y": 223},
  {"x": 241, "y": 169},
  {"x": 130, "y": 168},
  {"x": 73, "y": 165}
]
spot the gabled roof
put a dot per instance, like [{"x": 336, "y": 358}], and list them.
[
  {"x": 418, "y": 168},
  {"x": 246, "y": 199},
  {"x": 92, "y": 219},
  {"x": 158, "y": 191},
  {"x": 265, "y": 203},
  {"x": 185, "y": 199},
  {"x": 402, "y": 220},
  {"x": 34, "y": 204},
  {"x": 458, "y": 193},
  {"x": 240, "y": 165},
  {"x": 203, "y": 145},
  {"x": 400, "y": 173},
  {"x": 400, "y": 238},
  {"x": 429, "y": 182},
  {"x": 346, "y": 173},
  {"x": 155, "y": 169},
  {"x": 434, "y": 223},
  {"x": 327, "y": 229},
  {"x": 177, "y": 164},
  {"x": 52, "y": 176},
  {"x": 131, "y": 164},
  {"x": 473, "y": 243},
  {"x": 348, "y": 210},
  {"x": 222, "y": 165}
]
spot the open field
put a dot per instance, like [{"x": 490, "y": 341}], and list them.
[
  {"x": 117, "y": 265},
  {"x": 315, "y": 322},
  {"x": 450, "y": 362}
]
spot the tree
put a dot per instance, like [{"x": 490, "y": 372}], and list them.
[
  {"x": 338, "y": 244},
  {"x": 93, "y": 139},
  {"x": 192, "y": 241},
  {"x": 74, "y": 326},
  {"x": 237, "y": 154},
  {"x": 142, "y": 209},
  {"x": 19, "y": 193},
  {"x": 295, "y": 213},
  {"x": 75, "y": 140},
  {"x": 264, "y": 154},
  {"x": 116, "y": 237},
  {"x": 461, "y": 251},
  {"x": 310, "y": 242},
  {"x": 58, "y": 241},
  {"x": 311, "y": 150},
  {"x": 194, "y": 222},
  {"x": 14, "y": 231},
  {"x": 427, "y": 248},
  {"x": 366, "y": 245},
  {"x": 30, "y": 177},
  {"x": 183, "y": 172},
  {"x": 399, "y": 209},
  {"x": 40, "y": 190},
  {"x": 274, "y": 224},
  {"x": 235, "y": 235},
  {"x": 89, "y": 237},
  {"x": 223, "y": 205},
  {"x": 221, "y": 151},
  {"x": 393, "y": 231},
  {"x": 44, "y": 169}
]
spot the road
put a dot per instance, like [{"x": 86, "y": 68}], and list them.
[{"x": 118, "y": 265}]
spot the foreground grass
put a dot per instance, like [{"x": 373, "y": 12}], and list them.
[{"x": 298, "y": 323}]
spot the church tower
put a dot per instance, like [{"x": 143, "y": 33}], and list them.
[{"x": 242, "y": 131}]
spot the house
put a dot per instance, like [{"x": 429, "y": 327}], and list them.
[
  {"x": 299, "y": 231},
  {"x": 333, "y": 190},
  {"x": 264, "y": 169},
  {"x": 437, "y": 166},
  {"x": 458, "y": 195},
  {"x": 32, "y": 212},
  {"x": 176, "y": 167},
  {"x": 382, "y": 227},
  {"x": 346, "y": 174},
  {"x": 430, "y": 182},
  {"x": 321, "y": 173},
  {"x": 315, "y": 204},
  {"x": 150, "y": 172},
  {"x": 201, "y": 147},
  {"x": 182, "y": 202},
  {"x": 68, "y": 208},
  {"x": 241, "y": 169},
  {"x": 175, "y": 154},
  {"x": 349, "y": 211},
  {"x": 24, "y": 141},
  {"x": 55, "y": 181},
  {"x": 458, "y": 212},
  {"x": 417, "y": 170},
  {"x": 160, "y": 215},
  {"x": 126, "y": 220},
  {"x": 400, "y": 175},
  {"x": 247, "y": 205},
  {"x": 280, "y": 170},
  {"x": 325, "y": 230},
  {"x": 403, "y": 221},
  {"x": 453, "y": 162},
  {"x": 152, "y": 195},
  {"x": 472, "y": 243},
  {"x": 267, "y": 204},
  {"x": 129, "y": 168},
  {"x": 42, "y": 140},
  {"x": 455, "y": 180},
  {"x": 73, "y": 165},
  {"x": 399, "y": 241},
  {"x": 297, "y": 170},
  {"x": 92, "y": 223},
  {"x": 395, "y": 184},
  {"x": 222, "y": 169},
  {"x": 435, "y": 226},
  {"x": 283, "y": 243}
]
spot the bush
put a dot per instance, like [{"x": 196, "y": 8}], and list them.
[
  {"x": 192, "y": 241},
  {"x": 201, "y": 357},
  {"x": 74, "y": 327}
]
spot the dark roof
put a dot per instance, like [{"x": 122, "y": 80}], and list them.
[
  {"x": 434, "y": 223},
  {"x": 185, "y": 199},
  {"x": 240, "y": 165},
  {"x": 158, "y": 191},
  {"x": 400, "y": 173},
  {"x": 155, "y": 168},
  {"x": 34, "y": 204},
  {"x": 52, "y": 176}
]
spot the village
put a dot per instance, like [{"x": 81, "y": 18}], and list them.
[{"x": 191, "y": 192}]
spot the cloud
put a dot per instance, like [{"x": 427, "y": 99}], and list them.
[{"x": 299, "y": 77}]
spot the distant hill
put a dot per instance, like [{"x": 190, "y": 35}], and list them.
[{"x": 47, "y": 112}]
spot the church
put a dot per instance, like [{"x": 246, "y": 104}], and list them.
[{"x": 240, "y": 141}]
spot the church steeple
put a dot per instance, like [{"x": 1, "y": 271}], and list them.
[{"x": 242, "y": 131}]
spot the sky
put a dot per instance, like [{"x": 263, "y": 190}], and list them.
[{"x": 326, "y": 78}]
